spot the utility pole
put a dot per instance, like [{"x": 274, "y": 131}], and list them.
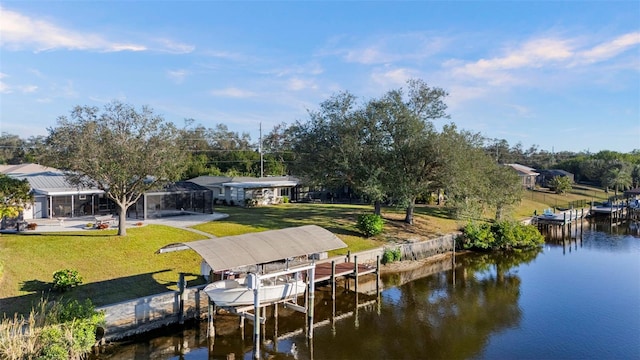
[{"x": 261, "y": 157}]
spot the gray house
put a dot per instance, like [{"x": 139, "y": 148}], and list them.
[
  {"x": 548, "y": 175},
  {"x": 237, "y": 190},
  {"x": 54, "y": 196},
  {"x": 527, "y": 175}
]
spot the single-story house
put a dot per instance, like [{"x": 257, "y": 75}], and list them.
[
  {"x": 633, "y": 193},
  {"x": 54, "y": 196},
  {"x": 237, "y": 190},
  {"x": 547, "y": 175},
  {"x": 527, "y": 175}
]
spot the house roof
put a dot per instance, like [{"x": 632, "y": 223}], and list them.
[
  {"x": 45, "y": 180},
  {"x": 219, "y": 181},
  {"x": 634, "y": 191},
  {"x": 56, "y": 184},
  {"x": 555, "y": 172},
  {"x": 263, "y": 247},
  {"x": 523, "y": 170},
  {"x": 260, "y": 184},
  {"x": 27, "y": 169},
  {"x": 180, "y": 186}
]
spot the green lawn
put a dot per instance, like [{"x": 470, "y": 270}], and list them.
[
  {"x": 540, "y": 199},
  {"x": 113, "y": 268},
  {"x": 120, "y": 268}
]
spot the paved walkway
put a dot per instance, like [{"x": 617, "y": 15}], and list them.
[{"x": 80, "y": 223}]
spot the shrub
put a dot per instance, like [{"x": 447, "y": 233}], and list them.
[
  {"x": 89, "y": 225},
  {"x": 501, "y": 235},
  {"x": 139, "y": 223},
  {"x": 285, "y": 199},
  {"x": 391, "y": 255},
  {"x": 103, "y": 226},
  {"x": 251, "y": 203},
  {"x": 370, "y": 224},
  {"x": 65, "y": 279},
  {"x": 32, "y": 226}
]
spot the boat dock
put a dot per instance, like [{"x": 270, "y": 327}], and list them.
[{"x": 561, "y": 218}]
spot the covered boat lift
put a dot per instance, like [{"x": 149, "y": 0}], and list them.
[{"x": 232, "y": 252}]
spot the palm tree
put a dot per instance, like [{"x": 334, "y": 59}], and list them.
[
  {"x": 635, "y": 176},
  {"x": 618, "y": 178}
]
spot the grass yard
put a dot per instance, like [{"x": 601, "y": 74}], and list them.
[
  {"x": 540, "y": 199},
  {"x": 113, "y": 268}
]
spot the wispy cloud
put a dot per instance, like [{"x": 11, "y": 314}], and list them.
[
  {"x": 534, "y": 53},
  {"x": 412, "y": 46},
  {"x": 170, "y": 46},
  {"x": 299, "y": 84},
  {"x": 28, "y": 89},
  {"x": 392, "y": 78},
  {"x": 611, "y": 48},
  {"x": 21, "y": 32},
  {"x": 458, "y": 94},
  {"x": 312, "y": 69},
  {"x": 8, "y": 89},
  {"x": 4, "y": 88},
  {"x": 546, "y": 53},
  {"x": 232, "y": 92},
  {"x": 177, "y": 76}
]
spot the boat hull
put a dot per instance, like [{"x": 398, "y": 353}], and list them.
[{"x": 234, "y": 293}]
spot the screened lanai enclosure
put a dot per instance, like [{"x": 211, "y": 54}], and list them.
[{"x": 178, "y": 198}]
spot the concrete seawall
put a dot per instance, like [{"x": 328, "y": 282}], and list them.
[{"x": 137, "y": 316}]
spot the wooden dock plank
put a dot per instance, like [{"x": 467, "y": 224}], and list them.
[{"x": 323, "y": 271}]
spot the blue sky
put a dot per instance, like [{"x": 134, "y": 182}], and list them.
[{"x": 562, "y": 75}]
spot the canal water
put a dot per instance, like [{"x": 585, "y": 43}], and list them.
[{"x": 571, "y": 299}]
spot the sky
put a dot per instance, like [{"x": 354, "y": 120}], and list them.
[{"x": 558, "y": 75}]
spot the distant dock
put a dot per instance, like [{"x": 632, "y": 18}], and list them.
[
  {"x": 552, "y": 221},
  {"x": 561, "y": 218}
]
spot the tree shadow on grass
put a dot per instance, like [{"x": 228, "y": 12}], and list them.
[
  {"x": 101, "y": 293},
  {"x": 35, "y": 286},
  {"x": 342, "y": 231},
  {"x": 434, "y": 211}
]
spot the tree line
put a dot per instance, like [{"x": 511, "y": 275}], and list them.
[{"x": 385, "y": 149}]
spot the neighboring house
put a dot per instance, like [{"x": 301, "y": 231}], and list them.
[
  {"x": 236, "y": 190},
  {"x": 54, "y": 196},
  {"x": 527, "y": 175},
  {"x": 547, "y": 175},
  {"x": 632, "y": 194}
]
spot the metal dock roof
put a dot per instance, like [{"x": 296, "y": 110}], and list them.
[{"x": 262, "y": 247}]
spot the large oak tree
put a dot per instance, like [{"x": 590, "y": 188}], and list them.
[
  {"x": 121, "y": 150},
  {"x": 384, "y": 149}
]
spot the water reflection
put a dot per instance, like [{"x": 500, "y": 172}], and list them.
[{"x": 423, "y": 311}]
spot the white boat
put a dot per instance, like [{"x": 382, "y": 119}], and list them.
[{"x": 236, "y": 292}]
